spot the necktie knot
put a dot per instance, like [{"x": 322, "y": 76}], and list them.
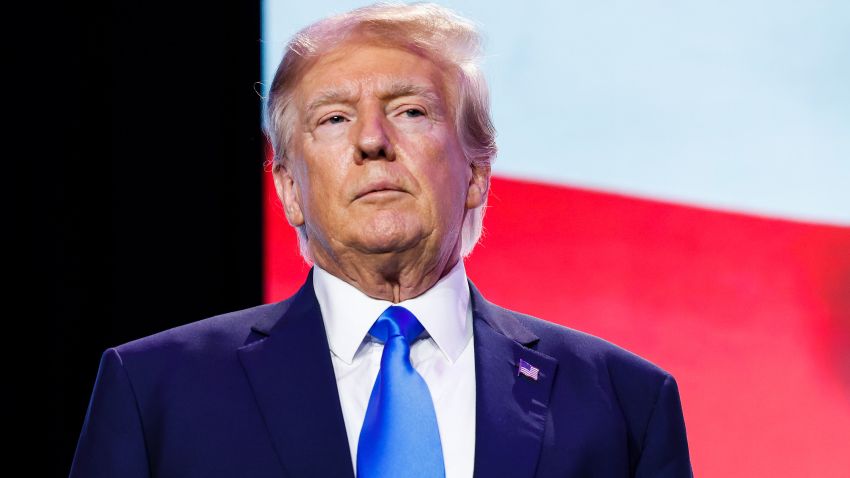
[{"x": 396, "y": 321}]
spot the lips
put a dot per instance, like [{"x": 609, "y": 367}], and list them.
[{"x": 375, "y": 186}]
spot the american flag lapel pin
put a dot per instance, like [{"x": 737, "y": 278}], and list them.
[{"x": 527, "y": 369}]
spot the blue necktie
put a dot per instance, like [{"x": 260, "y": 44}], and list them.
[{"x": 399, "y": 435}]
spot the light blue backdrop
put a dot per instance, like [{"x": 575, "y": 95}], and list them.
[{"x": 740, "y": 105}]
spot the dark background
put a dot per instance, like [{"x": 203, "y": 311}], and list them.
[{"x": 138, "y": 154}]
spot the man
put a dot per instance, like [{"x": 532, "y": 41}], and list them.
[{"x": 387, "y": 361}]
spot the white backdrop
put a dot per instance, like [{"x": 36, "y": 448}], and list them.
[{"x": 738, "y": 105}]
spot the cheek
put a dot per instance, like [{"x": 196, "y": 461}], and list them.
[
  {"x": 449, "y": 163},
  {"x": 442, "y": 170},
  {"x": 324, "y": 171},
  {"x": 324, "y": 161}
]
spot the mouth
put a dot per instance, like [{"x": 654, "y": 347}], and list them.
[{"x": 379, "y": 188}]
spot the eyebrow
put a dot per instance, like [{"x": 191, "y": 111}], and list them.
[
  {"x": 336, "y": 94},
  {"x": 401, "y": 88},
  {"x": 396, "y": 88}
]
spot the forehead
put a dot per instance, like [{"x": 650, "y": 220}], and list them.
[{"x": 372, "y": 69}]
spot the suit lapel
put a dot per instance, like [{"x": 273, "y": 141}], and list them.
[
  {"x": 291, "y": 375},
  {"x": 510, "y": 409}
]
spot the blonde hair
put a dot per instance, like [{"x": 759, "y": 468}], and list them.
[{"x": 438, "y": 33}]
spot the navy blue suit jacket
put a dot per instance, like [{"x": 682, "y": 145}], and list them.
[{"x": 253, "y": 394}]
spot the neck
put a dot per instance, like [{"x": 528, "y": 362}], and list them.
[{"x": 389, "y": 276}]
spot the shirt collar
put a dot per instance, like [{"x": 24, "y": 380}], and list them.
[{"x": 348, "y": 313}]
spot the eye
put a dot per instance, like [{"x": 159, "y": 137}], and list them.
[
  {"x": 413, "y": 112},
  {"x": 335, "y": 119}
]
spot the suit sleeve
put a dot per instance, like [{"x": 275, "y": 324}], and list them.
[
  {"x": 112, "y": 440},
  {"x": 665, "y": 445}
]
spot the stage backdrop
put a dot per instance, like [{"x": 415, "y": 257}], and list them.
[{"x": 675, "y": 178}]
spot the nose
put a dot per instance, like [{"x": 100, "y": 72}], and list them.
[{"x": 373, "y": 135}]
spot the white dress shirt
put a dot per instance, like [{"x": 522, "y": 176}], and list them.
[{"x": 444, "y": 357}]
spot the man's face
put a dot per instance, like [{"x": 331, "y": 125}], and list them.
[{"x": 375, "y": 162}]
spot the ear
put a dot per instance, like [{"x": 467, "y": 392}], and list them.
[
  {"x": 289, "y": 194},
  {"x": 479, "y": 186}
]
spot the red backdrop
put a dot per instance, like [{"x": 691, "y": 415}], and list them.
[{"x": 751, "y": 315}]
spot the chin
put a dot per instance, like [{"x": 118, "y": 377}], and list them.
[
  {"x": 384, "y": 235},
  {"x": 387, "y": 244}
]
